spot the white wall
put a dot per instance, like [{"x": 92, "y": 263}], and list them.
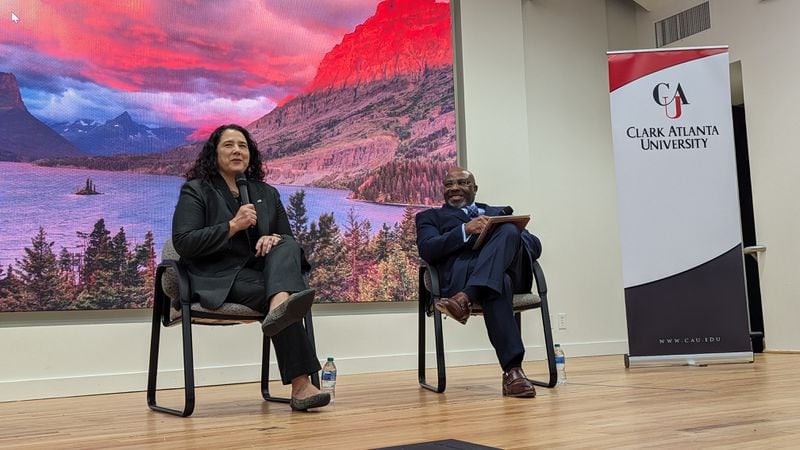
[
  {"x": 621, "y": 20},
  {"x": 763, "y": 37},
  {"x": 572, "y": 167},
  {"x": 537, "y": 137}
]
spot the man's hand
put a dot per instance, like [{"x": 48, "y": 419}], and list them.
[
  {"x": 476, "y": 225},
  {"x": 245, "y": 218}
]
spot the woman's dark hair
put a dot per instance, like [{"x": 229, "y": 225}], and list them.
[{"x": 206, "y": 165}]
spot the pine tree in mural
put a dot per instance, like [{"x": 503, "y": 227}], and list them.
[
  {"x": 139, "y": 271},
  {"x": 6, "y": 302},
  {"x": 40, "y": 278},
  {"x": 328, "y": 259},
  {"x": 68, "y": 264},
  {"x": 379, "y": 246},
  {"x": 96, "y": 253},
  {"x": 3, "y": 291},
  {"x": 356, "y": 253},
  {"x": 10, "y": 296},
  {"x": 393, "y": 278},
  {"x": 100, "y": 273},
  {"x": 11, "y": 280},
  {"x": 407, "y": 233},
  {"x": 118, "y": 256},
  {"x": 298, "y": 219},
  {"x": 67, "y": 261},
  {"x": 144, "y": 264}
]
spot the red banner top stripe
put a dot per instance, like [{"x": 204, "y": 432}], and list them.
[{"x": 626, "y": 67}]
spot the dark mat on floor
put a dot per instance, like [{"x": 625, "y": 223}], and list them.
[{"x": 447, "y": 444}]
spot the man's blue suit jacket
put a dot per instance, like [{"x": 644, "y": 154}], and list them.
[{"x": 441, "y": 243}]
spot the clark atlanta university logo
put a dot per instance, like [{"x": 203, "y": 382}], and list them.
[
  {"x": 678, "y": 135},
  {"x": 671, "y": 99}
]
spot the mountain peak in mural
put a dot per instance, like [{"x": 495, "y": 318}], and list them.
[
  {"x": 404, "y": 37},
  {"x": 22, "y": 136},
  {"x": 379, "y": 117},
  {"x": 120, "y": 135},
  {"x": 10, "y": 97}
]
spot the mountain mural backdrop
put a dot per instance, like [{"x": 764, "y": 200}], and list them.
[
  {"x": 351, "y": 104},
  {"x": 378, "y": 118}
]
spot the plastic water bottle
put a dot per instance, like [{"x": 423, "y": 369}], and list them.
[
  {"x": 560, "y": 363},
  {"x": 329, "y": 377}
]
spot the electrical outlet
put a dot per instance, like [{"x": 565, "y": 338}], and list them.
[{"x": 562, "y": 321}]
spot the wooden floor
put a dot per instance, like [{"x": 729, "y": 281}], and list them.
[{"x": 603, "y": 405}]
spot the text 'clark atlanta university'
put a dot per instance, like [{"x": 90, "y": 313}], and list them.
[{"x": 673, "y": 137}]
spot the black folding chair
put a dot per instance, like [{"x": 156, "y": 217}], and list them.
[
  {"x": 172, "y": 287},
  {"x": 429, "y": 291}
]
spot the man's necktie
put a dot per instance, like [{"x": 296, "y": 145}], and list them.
[{"x": 472, "y": 211}]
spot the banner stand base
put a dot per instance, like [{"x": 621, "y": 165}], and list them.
[{"x": 701, "y": 359}]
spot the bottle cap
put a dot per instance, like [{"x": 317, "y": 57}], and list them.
[
  {"x": 558, "y": 345},
  {"x": 330, "y": 358}
]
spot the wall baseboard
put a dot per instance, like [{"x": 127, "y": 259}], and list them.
[{"x": 108, "y": 383}]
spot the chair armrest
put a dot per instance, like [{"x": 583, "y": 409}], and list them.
[
  {"x": 538, "y": 278},
  {"x": 433, "y": 271},
  {"x": 182, "y": 279}
]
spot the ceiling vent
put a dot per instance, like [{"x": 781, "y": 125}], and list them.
[{"x": 683, "y": 24}]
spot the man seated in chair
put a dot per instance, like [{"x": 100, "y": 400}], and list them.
[{"x": 489, "y": 276}]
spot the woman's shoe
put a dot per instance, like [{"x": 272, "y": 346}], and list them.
[
  {"x": 292, "y": 310},
  {"x": 312, "y": 401}
]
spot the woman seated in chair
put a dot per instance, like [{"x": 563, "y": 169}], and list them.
[{"x": 238, "y": 247}]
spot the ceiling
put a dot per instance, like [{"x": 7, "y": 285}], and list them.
[{"x": 647, "y": 4}]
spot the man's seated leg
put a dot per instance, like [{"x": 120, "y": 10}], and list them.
[
  {"x": 495, "y": 257},
  {"x": 498, "y": 315},
  {"x": 487, "y": 273},
  {"x": 486, "y": 276},
  {"x": 521, "y": 269}
]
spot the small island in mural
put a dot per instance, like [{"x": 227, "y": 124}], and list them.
[{"x": 88, "y": 189}]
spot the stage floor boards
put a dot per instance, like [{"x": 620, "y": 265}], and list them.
[{"x": 603, "y": 405}]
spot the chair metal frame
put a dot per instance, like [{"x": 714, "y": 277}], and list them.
[
  {"x": 426, "y": 300},
  {"x": 188, "y": 317}
]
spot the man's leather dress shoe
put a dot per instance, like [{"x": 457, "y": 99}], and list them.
[
  {"x": 456, "y": 307},
  {"x": 516, "y": 384}
]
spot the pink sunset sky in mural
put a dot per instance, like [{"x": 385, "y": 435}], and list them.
[{"x": 178, "y": 63}]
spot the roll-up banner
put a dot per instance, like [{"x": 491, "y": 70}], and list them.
[{"x": 683, "y": 267}]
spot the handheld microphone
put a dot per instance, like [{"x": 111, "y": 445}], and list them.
[
  {"x": 506, "y": 211},
  {"x": 241, "y": 182}
]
